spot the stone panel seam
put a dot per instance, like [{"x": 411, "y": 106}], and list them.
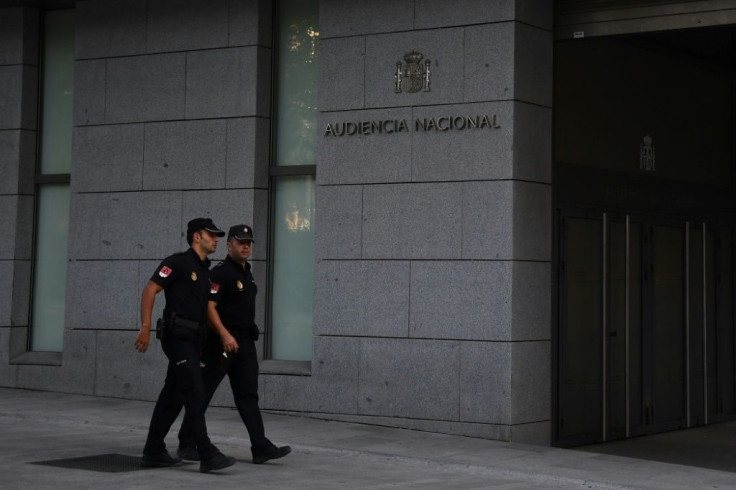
[
  {"x": 359, "y": 414},
  {"x": 391, "y": 259},
  {"x": 424, "y": 29},
  {"x": 157, "y": 53},
  {"x": 151, "y": 121},
  {"x": 443, "y": 104}
]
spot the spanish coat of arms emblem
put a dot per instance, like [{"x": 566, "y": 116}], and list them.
[{"x": 413, "y": 75}]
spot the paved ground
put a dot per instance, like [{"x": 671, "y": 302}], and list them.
[{"x": 38, "y": 426}]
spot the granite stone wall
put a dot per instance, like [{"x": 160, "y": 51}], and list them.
[{"x": 433, "y": 277}]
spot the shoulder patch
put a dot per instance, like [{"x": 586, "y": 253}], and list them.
[
  {"x": 165, "y": 271},
  {"x": 214, "y": 287}
]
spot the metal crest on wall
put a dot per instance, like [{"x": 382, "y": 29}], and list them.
[
  {"x": 414, "y": 75},
  {"x": 647, "y": 155}
]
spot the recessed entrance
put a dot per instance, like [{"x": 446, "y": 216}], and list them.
[{"x": 644, "y": 240}]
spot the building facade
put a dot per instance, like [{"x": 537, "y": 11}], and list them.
[{"x": 455, "y": 204}]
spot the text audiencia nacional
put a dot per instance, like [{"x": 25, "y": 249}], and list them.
[{"x": 393, "y": 126}]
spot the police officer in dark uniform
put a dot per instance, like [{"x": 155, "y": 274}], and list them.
[
  {"x": 232, "y": 350},
  {"x": 185, "y": 279}
]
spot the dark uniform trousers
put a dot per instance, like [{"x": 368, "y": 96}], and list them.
[
  {"x": 242, "y": 370},
  {"x": 183, "y": 385}
]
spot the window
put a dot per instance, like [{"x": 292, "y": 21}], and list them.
[
  {"x": 293, "y": 180},
  {"x": 52, "y": 182}
]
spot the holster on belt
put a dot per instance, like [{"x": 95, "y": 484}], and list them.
[{"x": 183, "y": 329}]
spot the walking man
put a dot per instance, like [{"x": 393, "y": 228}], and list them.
[
  {"x": 185, "y": 279},
  {"x": 232, "y": 352}
]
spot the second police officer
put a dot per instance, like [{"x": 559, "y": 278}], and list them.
[{"x": 232, "y": 351}]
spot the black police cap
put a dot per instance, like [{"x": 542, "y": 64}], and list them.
[
  {"x": 204, "y": 224},
  {"x": 241, "y": 232}
]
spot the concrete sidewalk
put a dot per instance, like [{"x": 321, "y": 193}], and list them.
[{"x": 40, "y": 426}]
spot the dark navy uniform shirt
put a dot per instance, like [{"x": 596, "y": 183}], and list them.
[
  {"x": 186, "y": 282},
  {"x": 234, "y": 292}
]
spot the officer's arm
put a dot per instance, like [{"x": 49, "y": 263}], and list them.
[
  {"x": 213, "y": 318},
  {"x": 148, "y": 298}
]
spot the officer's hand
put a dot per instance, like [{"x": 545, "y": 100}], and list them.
[
  {"x": 142, "y": 340},
  {"x": 230, "y": 344}
]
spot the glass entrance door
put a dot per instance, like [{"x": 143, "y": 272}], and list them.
[{"x": 645, "y": 338}]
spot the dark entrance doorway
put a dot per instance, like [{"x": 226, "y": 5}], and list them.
[{"x": 644, "y": 240}]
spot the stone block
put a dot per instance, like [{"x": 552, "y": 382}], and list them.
[
  {"x": 487, "y": 220},
  {"x": 489, "y": 62},
  {"x": 250, "y": 22},
  {"x": 9, "y": 223},
  {"x": 18, "y": 36},
  {"x": 6, "y": 294},
  {"x": 461, "y": 300},
  {"x": 338, "y": 235},
  {"x": 185, "y": 155},
  {"x": 145, "y": 88},
  {"x": 101, "y": 225},
  {"x": 362, "y": 298},
  {"x": 340, "y": 18},
  {"x": 248, "y": 147},
  {"x": 19, "y": 102},
  {"x": 21, "y": 293},
  {"x": 122, "y": 372},
  {"x": 364, "y": 158},
  {"x": 507, "y": 220},
  {"x": 17, "y": 221},
  {"x": 413, "y": 221},
  {"x": 109, "y": 29},
  {"x": 336, "y": 358},
  {"x": 103, "y": 295},
  {"x": 24, "y": 228},
  {"x": 531, "y": 382},
  {"x": 532, "y": 221},
  {"x": 304, "y": 393},
  {"x": 476, "y": 145},
  {"x": 533, "y": 73},
  {"x": 17, "y": 161},
  {"x": 485, "y": 382},
  {"x": 222, "y": 83},
  {"x": 180, "y": 25},
  {"x": 8, "y": 372},
  {"x": 532, "y": 301},
  {"x": 342, "y": 74},
  {"x": 443, "y": 48},
  {"x": 108, "y": 158},
  {"x": 532, "y": 145},
  {"x": 440, "y": 13},
  {"x": 409, "y": 378},
  {"x": 77, "y": 371},
  {"x": 19, "y": 338},
  {"x": 90, "y": 78}
]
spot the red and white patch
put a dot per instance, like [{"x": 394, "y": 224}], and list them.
[
  {"x": 165, "y": 271},
  {"x": 214, "y": 287}
]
